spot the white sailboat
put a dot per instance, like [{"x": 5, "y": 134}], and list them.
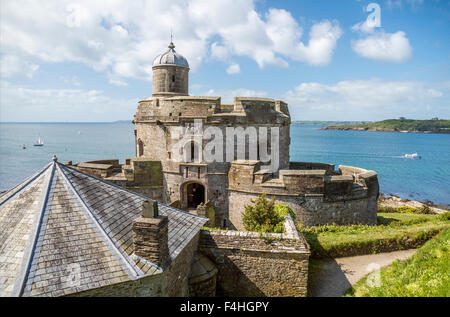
[{"x": 39, "y": 142}]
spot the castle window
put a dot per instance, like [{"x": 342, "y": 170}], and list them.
[
  {"x": 173, "y": 78},
  {"x": 140, "y": 148},
  {"x": 192, "y": 151},
  {"x": 169, "y": 155}
]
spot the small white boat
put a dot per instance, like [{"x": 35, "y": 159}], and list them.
[
  {"x": 413, "y": 156},
  {"x": 39, "y": 142}
]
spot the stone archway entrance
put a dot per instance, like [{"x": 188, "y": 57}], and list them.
[{"x": 193, "y": 194}]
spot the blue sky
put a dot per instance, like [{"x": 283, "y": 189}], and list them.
[{"x": 82, "y": 61}]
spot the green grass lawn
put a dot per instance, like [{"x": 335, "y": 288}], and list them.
[
  {"x": 425, "y": 274},
  {"x": 395, "y": 231}
]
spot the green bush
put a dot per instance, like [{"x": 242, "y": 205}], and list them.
[
  {"x": 382, "y": 209},
  {"x": 406, "y": 210},
  {"x": 263, "y": 216},
  {"x": 445, "y": 216},
  {"x": 283, "y": 210},
  {"x": 425, "y": 210}
]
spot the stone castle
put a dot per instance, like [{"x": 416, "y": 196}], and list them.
[
  {"x": 96, "y": 229},
  {"x": 219, "y": 190}
]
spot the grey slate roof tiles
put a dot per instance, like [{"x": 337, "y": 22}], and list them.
[{"x": 63, "y": 231}]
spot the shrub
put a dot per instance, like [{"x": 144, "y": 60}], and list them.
[
  {"x": 283, "y": 210},
  {"x": 406, "y": 210},
  {"x": 262, "y": 216},
  {"x": 425, "y": 210},
  {"x": 382, "y": 209},
  {"x": 403, "y": 210},
  {"x": 445, "y": 216}
]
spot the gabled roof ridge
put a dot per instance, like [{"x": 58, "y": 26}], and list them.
[
  {"x": 129, "y": 266},
  {"x": 19, "y": 285},
  {"x": 127, "y": 190},
  {"x": 24, "y": 184}
]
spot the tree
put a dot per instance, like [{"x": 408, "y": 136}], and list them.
[{"x": 262, "y": 216}]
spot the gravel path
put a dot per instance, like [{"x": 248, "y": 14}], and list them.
[{"x": 333, "y": 277}]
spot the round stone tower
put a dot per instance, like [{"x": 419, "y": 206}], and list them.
[{"x": 170, "y": 74}]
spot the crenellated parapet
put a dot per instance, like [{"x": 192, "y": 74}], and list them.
[
  {"x": 245, "y": 110},
  {"x": 346, "y": 183},
  {"x": 318, "y": 196}
]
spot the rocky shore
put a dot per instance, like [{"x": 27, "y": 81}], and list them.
[{"x": 392, "y": 201}]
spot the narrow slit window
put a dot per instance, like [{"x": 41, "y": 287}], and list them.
[{"x": 173, "y": 78}]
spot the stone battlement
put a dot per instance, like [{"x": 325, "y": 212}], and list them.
[
  {"x": 317, "y": 194},
  {"x": 344, "y": 184},
  {"x": 244, "y": 110}
]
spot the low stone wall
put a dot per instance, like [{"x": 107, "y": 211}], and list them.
[
  {"x": 250, "y": 264},
  {"x": 311, "y": 210}
]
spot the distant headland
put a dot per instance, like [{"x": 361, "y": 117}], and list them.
[
  {"x": 328, "y": 123},
  {"x": 434, "y": 125}
]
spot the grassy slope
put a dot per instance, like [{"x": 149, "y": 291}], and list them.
[
  {"x": 425, "y": 274},
  {"x": 441, "y": 126},
  {"x": 395, "y": 231}
]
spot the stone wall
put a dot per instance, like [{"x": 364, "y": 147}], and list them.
[
  {"x": 177, "y": 274},
  {"x": 250, "y": 264},
  {"x": 348, "y": 197}
]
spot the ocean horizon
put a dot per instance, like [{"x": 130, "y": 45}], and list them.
[{"x": 419, "y": 179}]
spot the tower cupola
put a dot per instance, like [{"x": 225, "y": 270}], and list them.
[{"x": 170, "y": 74}]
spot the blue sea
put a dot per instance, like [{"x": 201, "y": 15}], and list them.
[{"x": 422, "y": 179}]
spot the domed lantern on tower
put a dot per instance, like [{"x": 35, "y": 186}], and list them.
[{"x": 170, "y": 74}]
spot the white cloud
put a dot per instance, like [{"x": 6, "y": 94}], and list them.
[
  {"x": 391, "y": 47},
  {"x": 123, "y": 37},
  {"x": 233, "y": 69},
  {"x": 227, "y": 96},
  {"x": 26, "y": 104},
  {"x": 220, "y": 52},
  {"x": 323, "y": 39},
  {"x": 372, "y": 99},
  {"x": 13, "y": 66}
]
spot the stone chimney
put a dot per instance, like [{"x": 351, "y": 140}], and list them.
[{"x": 150, "y": 235}]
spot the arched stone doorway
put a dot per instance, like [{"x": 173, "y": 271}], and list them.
[{"x": 193, "y": 194}]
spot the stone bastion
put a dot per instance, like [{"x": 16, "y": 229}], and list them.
[{"x": 317, "y": 193}]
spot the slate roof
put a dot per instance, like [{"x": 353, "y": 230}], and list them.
[{"x": 63, "y": 231}]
